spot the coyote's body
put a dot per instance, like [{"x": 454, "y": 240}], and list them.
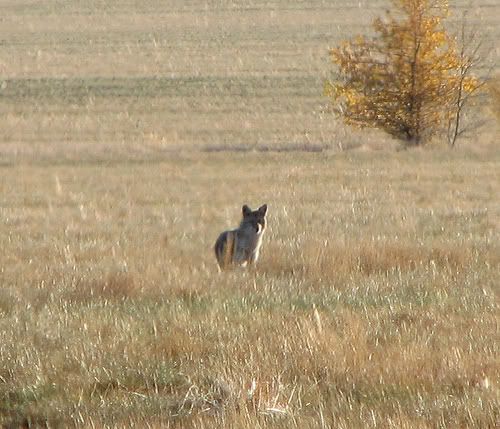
[{"x": 241, "y": 246}]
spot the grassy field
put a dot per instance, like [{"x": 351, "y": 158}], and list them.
[
  {"x": 375, "y": 303},
  {"x": 133, "y": 132},
  {"x": 137, "y": 79}
]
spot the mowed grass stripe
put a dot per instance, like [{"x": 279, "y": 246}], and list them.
[{"x": 81, "y": 88}]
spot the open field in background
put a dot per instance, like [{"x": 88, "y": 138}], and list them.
[
  {"x": 376, "y": 302},
  {"x": 120, "y": 79},
  {"x": 131, "y": 134}
]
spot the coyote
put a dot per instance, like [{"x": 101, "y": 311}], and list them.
[{"x": 241, "y": 246}]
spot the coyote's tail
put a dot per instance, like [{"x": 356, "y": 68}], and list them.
[{"x": 224, "y": 249}]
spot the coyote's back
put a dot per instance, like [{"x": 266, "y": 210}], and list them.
[{"x": 241, "y": 246}]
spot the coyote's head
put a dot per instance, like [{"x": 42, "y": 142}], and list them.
[{"x": 256, "y": 218}]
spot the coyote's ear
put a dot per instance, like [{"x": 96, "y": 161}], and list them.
[
  {"x": 246, "y": 210},
  {"x": 263, "y": 210}
]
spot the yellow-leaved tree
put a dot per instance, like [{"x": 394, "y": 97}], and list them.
[{"x": 409, "y": 79}]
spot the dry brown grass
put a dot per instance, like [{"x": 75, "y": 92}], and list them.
[
  {"x": 128, "y": 145},
  {"x": 495, "y": 95},
  {"x": 375, "y": 303},
  {"x": 144, "y": 78}
]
